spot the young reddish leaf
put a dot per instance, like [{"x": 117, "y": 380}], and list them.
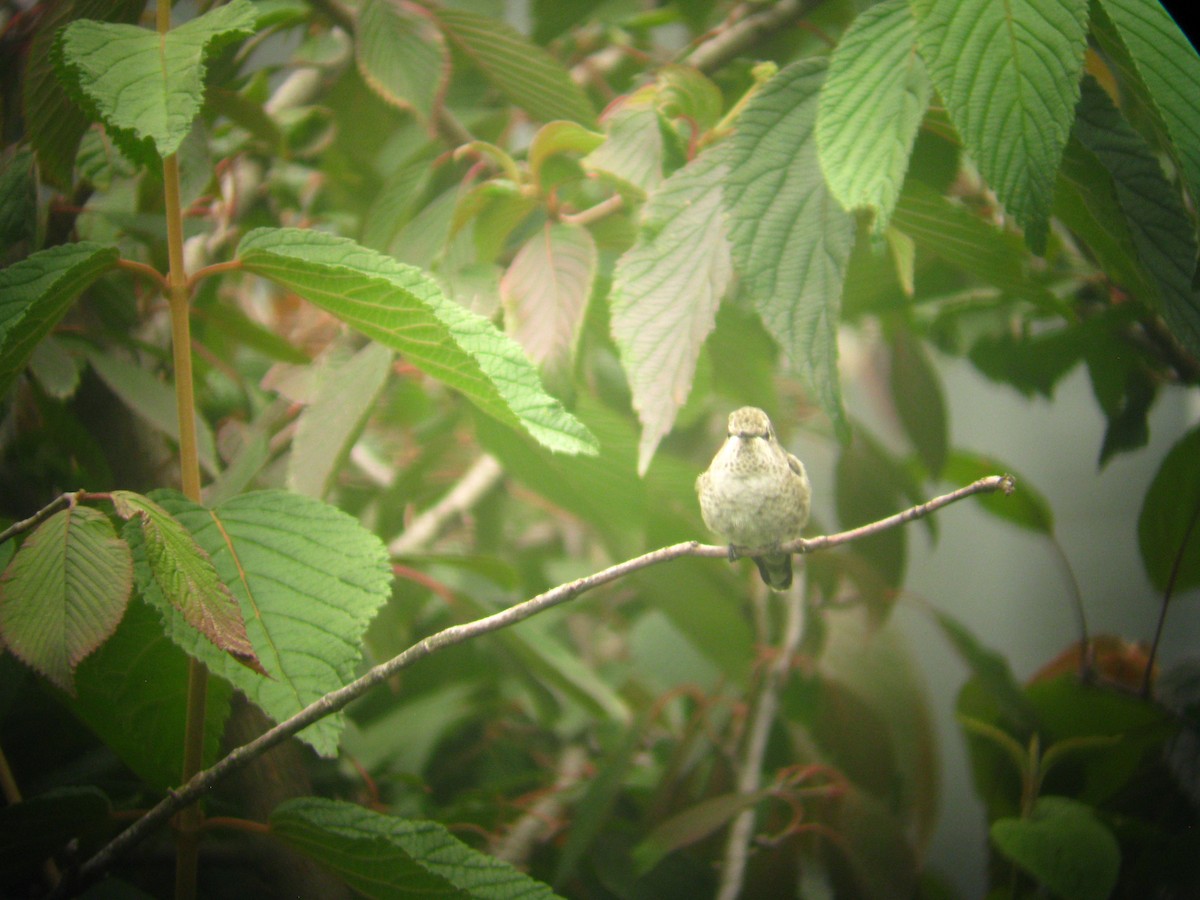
[
  {"x": 64, "y": 592},
  {"x": 185, "y": 574},
  {"x": 545, "y": 292}
]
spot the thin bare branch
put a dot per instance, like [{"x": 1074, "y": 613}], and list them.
[
  {"x": 483, "y": 475},
  {"x": 741, "y": 831},
  {"x": 62, "y": 501},
  {"x": 198, "y": 785}
]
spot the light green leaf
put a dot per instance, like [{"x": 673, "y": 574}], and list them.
[
  {"x": 632, "y": 152},
  {"x": 402, "y": 308},
  {"x": 1064, "y": 846},
  {"x": 37, "y": 291},
  {"x": 133, "y": 693},
  {"x": 1161, "y": 66},
  {"x": 688, "y": 93},
  {"x": 151, "y": 399},
  {"x": 389, "y": 857},
  {"x": 949, "y": 230},
  {"x": 528, "y": 75},
  {"x": 308, "y": 578},
  {"x": 55, "y": 368},
  {"x": 665, "y": 294},
  {"x": 1160, "y": 226},
  {"x": 1169, "y": 523},
  {"x": 146, "y": 89},
  {"x": 64, "y": 592},
  {"x": 402, "y": 55},
  {"x": 545, "y": 292},
  {"x": 870, "y": 109},
  {"x": 184, "y": 576},
  {"x": 53, "y": 123},
  {"x": 345, "y": 395},
  {"x": 1009, "y": 74},
  {"x": 692, "y": 824},
  {"x": 559, "y": 137},
  {"x": 791, "y": 239}
]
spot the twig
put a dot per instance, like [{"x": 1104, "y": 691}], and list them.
[
  {"x": 1148, "y": 674},
  {"x": 741, "y": 35},
  {"x": 199, "y": 784},
  {"x": 741, "y": 832},
  {"x": 483, "y": 475},
  {"x": 62, "y": 501}
]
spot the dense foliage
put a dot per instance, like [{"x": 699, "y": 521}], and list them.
[{"x": 326, "y": 327}]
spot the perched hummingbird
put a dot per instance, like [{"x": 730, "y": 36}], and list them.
[{"x": 756, "y": 494}]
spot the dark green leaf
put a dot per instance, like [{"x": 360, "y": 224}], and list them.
[
  {"x": 37, "y": 291},
  {"x": 33, "y": 830},
  {"x": 389, "y": 857},
  {"x": 1025, "y": 507},
  {"x": 1064, "y": 846},
  {"x": 402, "y": 55},
  {"x": 1169, "y": 523},
  {"x": 1158, "y": 222},
  {"x": 917, "y": 395}
]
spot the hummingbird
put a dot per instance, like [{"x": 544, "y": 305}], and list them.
[{"x": 756, "y": 494}]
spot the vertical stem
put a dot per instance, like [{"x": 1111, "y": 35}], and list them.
[
  {"x": 749, "y": 780},
  {"x": 188, "y": 839}
]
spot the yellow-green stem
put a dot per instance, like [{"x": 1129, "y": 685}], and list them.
[{"x": 178, "y": 296}]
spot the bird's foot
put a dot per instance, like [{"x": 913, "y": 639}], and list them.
[{"x": 734, "y": 553}]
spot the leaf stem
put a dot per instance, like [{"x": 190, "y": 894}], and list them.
[
  {"x": 187, "y": 842},
  {"x": 336, "y": 700}
]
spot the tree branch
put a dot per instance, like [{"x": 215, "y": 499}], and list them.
[
  {"x": 199, "y": 784},
  {"x": 483, "y": 475},
  {"x": 741, "y": 35}
]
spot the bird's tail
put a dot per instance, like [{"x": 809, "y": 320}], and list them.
[{"x": 776, "y": 570}]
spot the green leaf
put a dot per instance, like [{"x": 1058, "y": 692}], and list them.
[
  {"x": 528, "y": 75},
  {"x": 308, "y": 578},
  {"x": 146, "y": 89},
  {"x": 1169, "y": 523},
  {"x": 545, "y": 292},
  {"x": 33, "y": 830},
  {"x": 917, "y": 395},
  {"x": 1009, "y": 74},
  {"x": 632, "y": 152},
  {"x": 870, "y": 484},
  {"x": 791, "y": 239},
  {"x": 559, "y": 137},
  {"x": 1064, "y": 846},
  {"x": 388, "y": 857},
  {"x": 53, "y": 123},
  {"x": 18, "y": 205},
  {"x": 685, "y": 92},
  {"x": 1025, "y": 507},
  {"x": 1162, "y": 67},
  {"x": 64, "y": 592},
  {"x": 402, "y": 308},
  {"x": 690, "y": 825},
  {"x": 950, "y": 231},
  {"x": 37, "y": 291},
  {"x": 990, "y": 669},
  {"x": 871, "y": 106},
  {"x": 665, "y": 294},
  {"x": 1160, "y": 226},
  {"x": 152, "y": 400},
  {"x": 185, "y": 578},
  {"x": 402, "y": 55},
  {"x": 133, "y": 693},
  {"x": 55, "y": 368},
  {"x": 345, "y": 394}
]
